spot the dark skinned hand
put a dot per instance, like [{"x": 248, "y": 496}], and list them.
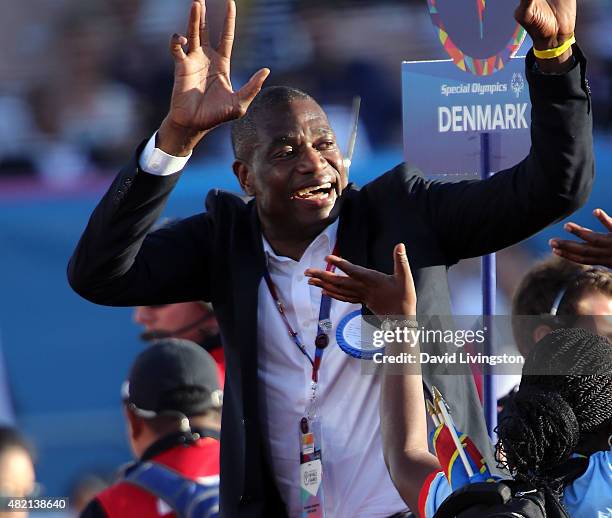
[
  {"x": 595, "y": 247},
  {"x": 203, "y": 97},
  {"x": 383, "y": 294},
  {"x": 549, "y": 23}
]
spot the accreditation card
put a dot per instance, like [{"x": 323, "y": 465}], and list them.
[{"x": 311, "y": 469}]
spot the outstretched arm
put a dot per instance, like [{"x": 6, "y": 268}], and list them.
[
  {"x": 473, "y": 218},
  {"x": 402, "y": 410}
]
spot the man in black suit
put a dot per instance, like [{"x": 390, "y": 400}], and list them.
[{"x": 303, "y": 208}]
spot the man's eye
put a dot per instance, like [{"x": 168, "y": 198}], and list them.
[
  {"x": 328, "y": 144},
  {"x": 284, "y": 153}
]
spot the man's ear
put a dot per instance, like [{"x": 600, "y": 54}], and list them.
[
  {"x": 135, "y": 424},
  {"x": 245, "y": 177},
  {"x": 540, "y": 332}
]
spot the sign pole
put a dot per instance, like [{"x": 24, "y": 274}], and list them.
[{"x": 489, "y": 289}]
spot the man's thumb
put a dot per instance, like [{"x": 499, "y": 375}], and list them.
[{"x": 401, "y": 268}]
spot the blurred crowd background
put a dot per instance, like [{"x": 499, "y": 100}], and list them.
[{"x": 82, "y": 83}]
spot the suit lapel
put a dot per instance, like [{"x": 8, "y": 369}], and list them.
[
  {"x": 251, "y": 266},
  {"x": 353, "y": 228}
]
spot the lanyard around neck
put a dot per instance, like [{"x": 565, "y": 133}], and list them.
[{"x": 323, "y": 325}]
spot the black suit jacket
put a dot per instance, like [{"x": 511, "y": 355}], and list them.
[{"x": 217, "y": 256}]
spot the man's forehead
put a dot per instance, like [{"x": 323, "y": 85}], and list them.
[
  {"x": 292, "y": 120},
  {"x": 594, "y": 302}
]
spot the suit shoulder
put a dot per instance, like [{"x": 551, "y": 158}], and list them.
[
  {"x": 406, "y": 177},
  {"x": 220, "y": 201}
]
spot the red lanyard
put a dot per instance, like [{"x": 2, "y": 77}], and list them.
[{"x": 323, "y": 325}]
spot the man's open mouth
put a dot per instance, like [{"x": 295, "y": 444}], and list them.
[{"x": 314, "y": 192}]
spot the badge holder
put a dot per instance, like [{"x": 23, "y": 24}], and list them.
[
  {"x": 311, "y": 466},
  {"x": 311, "y": 469}
]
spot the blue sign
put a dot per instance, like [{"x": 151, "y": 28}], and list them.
[{"x": 445, "y": 110}]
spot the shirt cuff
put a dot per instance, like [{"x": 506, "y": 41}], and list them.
[{"x": 155, "y": 161}]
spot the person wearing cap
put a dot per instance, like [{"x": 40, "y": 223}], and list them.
[
  {"x": 172, "y": 403},
  {"x": 194, "y": 321}
]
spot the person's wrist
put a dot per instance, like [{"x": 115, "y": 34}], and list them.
[
  {"x": 408, "y": 312},
  {"x": 552, "y": 42},
  {"x": 177, "y": 140},
  {"x": 393, "y": 322},
  {"x": 558, "y": 64}
]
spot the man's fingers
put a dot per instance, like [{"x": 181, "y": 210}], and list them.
[
  {"x": 193, "y": 26},
  {"x": 606, "y": 220},
  {"x": 347, "y": 293},
  {"x": 332, "y": 279},
  {"x": 248, "y": 92},
  {"x": 344, "y": 298},
  {"x": 401, "y": 266},
  {"x": 584, "y": 233},
  {"x": 227, "y": 37},
  {"x": 401, "y": 270},
  {"x": 576, "y": 258},
  {"x": 352, "y": 270},
  {"x": 204, "y": 39},
  {"x": 581, "y": 249},
  {"x": 176, "y": 47}
]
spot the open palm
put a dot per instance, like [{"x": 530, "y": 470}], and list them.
[{"x": 203, "y": 97}]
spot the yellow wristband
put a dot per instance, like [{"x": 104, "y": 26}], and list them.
[{"x": 556, "y": 52}]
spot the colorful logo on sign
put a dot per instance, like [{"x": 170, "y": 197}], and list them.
[{"x": 480, "y": 36}]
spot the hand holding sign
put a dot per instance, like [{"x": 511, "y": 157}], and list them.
[
  {"x": 596, "y": 247},
  {"x": 549, "y": 23},
  {"x": 383, "y": 294}
]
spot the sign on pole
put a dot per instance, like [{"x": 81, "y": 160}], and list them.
[
  {"x": 445, "y": 110},
  {"x": 470, "y": 115}
]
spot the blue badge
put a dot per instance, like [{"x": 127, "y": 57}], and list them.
[{"x": 354, "y": 337}]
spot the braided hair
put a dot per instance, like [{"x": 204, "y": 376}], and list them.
[{"x": 565, "y": 395}]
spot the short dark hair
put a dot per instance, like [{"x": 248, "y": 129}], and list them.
[
  {"x": 244, "y": 130},
  {"x": 11, "y": 439},
  {"x": 540, "y": 287},
  {"x": 545, "y": 421}
]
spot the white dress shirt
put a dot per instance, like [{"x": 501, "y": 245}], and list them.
[{"x": 356, "y": 482}]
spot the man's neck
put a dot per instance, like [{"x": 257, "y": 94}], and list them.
[{"x": 292, "y": 243}]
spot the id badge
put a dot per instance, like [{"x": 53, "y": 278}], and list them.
[{"x": 311, "y": 469}]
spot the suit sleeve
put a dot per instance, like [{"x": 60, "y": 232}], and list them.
[
  {"x": 473, "y": 218},
  {"x": 118, "y": 263}
]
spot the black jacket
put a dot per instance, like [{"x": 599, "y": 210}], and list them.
[{"x": 217, "y": 256}]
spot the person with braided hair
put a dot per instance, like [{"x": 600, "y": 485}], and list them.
[
  {"x": 555, "y": 436},
  {"x": 557, "y": 430}
]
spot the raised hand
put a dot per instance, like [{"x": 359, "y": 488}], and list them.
[
  {"x": 596, "y": 247},
  {"x": 383, "y": 294},
  {"x": 203, "y": 97},
  {"x": 549, "y": 23}
]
